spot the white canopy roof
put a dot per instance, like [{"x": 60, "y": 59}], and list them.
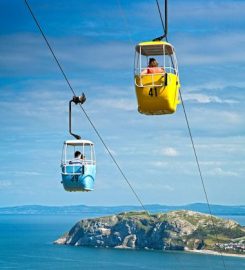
[
  {"x": 78, "y": 142},
  {"x": 155, "y": 48}
]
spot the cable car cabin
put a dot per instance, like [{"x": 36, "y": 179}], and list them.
[
  {"x": 78, "y": 165},
  {"x": 156, "y": 84}
]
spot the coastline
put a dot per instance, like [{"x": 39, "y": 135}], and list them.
[
  {"x": 215, "y": 253},
  {"x": 62, "y": 240}
]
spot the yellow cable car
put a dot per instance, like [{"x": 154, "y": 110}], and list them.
[{"x": 156, "y": 78}]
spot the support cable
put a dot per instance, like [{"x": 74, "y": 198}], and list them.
[
  {"x": 160, "y": 14},
  {"x": 165, "y": 27},
  {"x": 187, "y": 122},
  {"x": 201, "y": 177},
  {"x": 192, "y": 141},
  {"x": 50, "y": 48},
  {"x": 85, "y": 113},
  {"x": 130, "y": 40}
]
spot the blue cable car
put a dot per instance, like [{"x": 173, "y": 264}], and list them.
[{"x": 78, "y": 164}]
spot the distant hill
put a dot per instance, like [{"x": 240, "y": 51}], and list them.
[
  {"x": 174, "y": 230},
  {"x": 107, "y": 210}
]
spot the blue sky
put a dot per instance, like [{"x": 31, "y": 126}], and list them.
[{"x": 95, "y": 45}]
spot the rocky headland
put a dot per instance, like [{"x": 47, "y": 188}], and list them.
[{"x": 175, "y": 230}]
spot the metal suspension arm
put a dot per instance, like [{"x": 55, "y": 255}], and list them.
[
  {"x": 76, "y": 100},
  {"x": 166, "y": 18},
  {"x": 164, "y": 25}
]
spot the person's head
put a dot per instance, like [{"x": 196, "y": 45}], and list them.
[
  {"x": 153, "y": 62},
  {"x": 77, "y": 154}
]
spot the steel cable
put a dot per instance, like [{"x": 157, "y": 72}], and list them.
[
  {"x": 194, "y": 149},
  {"x": 85, "y": 113}
]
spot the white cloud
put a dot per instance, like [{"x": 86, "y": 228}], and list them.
[
  {"x": 201, "y": 98},
  {"x": 38, "y": 104},
  {"x": 27, "y": 173},
  {"x": 213, "y": 10},
  {"x": 113, "y": 152},
  {"x": 192, "y": 51},
  {"x": 155, "y": 185},
  {"x": 216, "y": 119},
  {"x": 5, "y": 183},
  {"x": 160, "y": 164},
  {"x": 215, "y": 85},
  {"x": 188, "y": 11},
  {"x": 230, "y": 144},
  {"x": 121, "y": 104},
  {"x": 231, "y": 117},
  {"x": 74, "y": 54},
  {"x": 168, "y": 187},
  {"x": 220, "y": 172},
  {"x": 169, "y": 152},
  {"x": 211, "y": 162}
]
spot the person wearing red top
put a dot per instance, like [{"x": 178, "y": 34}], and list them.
[{"x": 153, "y": 68}]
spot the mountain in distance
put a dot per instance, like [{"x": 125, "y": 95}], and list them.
[{"x": 110, "y": 210}]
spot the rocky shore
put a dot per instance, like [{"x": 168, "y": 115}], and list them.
[{"x": 176, "y": 230}]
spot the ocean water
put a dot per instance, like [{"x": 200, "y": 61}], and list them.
[{"x": 26, "y": 242}]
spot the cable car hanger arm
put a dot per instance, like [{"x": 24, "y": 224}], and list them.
[
  {"x": 165, "y": 28},
  {"x": 76, "y": 100}
]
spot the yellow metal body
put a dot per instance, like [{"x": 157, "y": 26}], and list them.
[{"x": 157, "y": 94}]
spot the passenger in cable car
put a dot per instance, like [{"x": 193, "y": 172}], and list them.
[
  {"x": 153, "y": 68},
  {"x": 78, "y": 158}
]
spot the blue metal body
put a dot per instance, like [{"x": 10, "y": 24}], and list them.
[{"x": 76, "y": 177}]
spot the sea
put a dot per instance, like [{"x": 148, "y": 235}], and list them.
[{"x": 26, "y": 242}]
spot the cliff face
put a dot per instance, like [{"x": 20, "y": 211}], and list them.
[{"x": 177, "y": 230}]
